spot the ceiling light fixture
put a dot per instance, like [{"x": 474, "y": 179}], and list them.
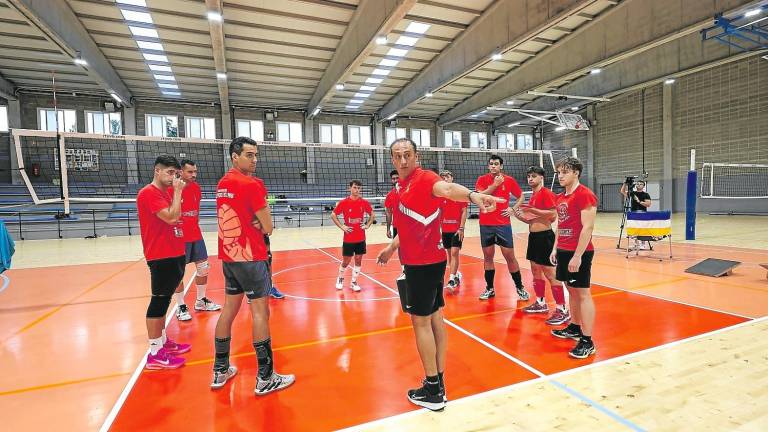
[
  {"x": 389, "y": 62},
  {"x": 136, "y": 16},
  {"x": 116, "y": 97},
  {"x": 496, "y": 56},
  {"x": 79, "y": 60},
  {"x": 417, "y": 27},
  {"x": 396, "y": 52},
  {"x": 221, "y": 75},
  {"x": 392, "y": 116},
  {"x": 381, "y": 40},
  {"x": 429, "y": 94},
  {"x": 214, "y": 16},
  {"x": 752, "y": 13},
  {"x": 160, "y": 68},
  {"x": 316, "y": 111},
  {"x": 669, "y": 81},
  {"x": 406, "y": 40},
  {"x": 510, "y": 102},
  {"x": 595, "y": 71},
  {"x": 339, "y": 86}
]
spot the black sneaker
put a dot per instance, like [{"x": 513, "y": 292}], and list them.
[
  {"x": 488, "y": 293},
  {"x": 583, "y": 349},
  {"x": 522, "y": 293},
  {"x": 567, "y": 333},
  {"x": 442, "y": 390},
  {"x": 423, "y": 398}
]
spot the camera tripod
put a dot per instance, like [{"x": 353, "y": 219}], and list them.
[{"x": 626, "y": 207}]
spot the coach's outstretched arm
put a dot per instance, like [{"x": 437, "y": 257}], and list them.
[{"x": 458, "y": 193}]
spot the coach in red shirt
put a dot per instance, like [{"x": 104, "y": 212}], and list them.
[
  {"x": 162, "y": 237},
  {"x": 420, "y": 194}
]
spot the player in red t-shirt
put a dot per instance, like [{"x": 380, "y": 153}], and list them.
[
  {"x": 162, "y": 237},
  {"x": 420, "y": 194},
  {"x": 495, "y": 227},
  {"x": 353, "y": 208},
  {"x": 454, "y": 217},
  {"x": 244, "y": 218},
  {"x": 390, "y": 202},
  {"x": 573, "y": 253},
  {"x": 196, "y": 251},
  {"x": 539, "y": 214}
]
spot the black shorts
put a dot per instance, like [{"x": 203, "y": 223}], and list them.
[
  {"x": 496, "y": 235},
  {"x": 451, "y": 240},
  {"x": 424, "y": 288},
  {"x": 349, "y": 249},
  {"x": 252, "y": 278},
  {"x": 540, "y": 246},
  {"x": 196, "y": 251},
  {"x": 166, "y": 274},
  {"x": 580, "y": 279}
]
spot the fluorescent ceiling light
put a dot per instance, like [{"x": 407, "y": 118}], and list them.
[
  {"x": 381, "y": 40},
  {"x": 372, "y": 80},
  {"x": 392, "y": 116},
  {"x": 378, "y": 71},
  {"x": 144, "y": 32},
  {"x": 417, "y": 27},
  {"x": 79, "y": 61},
  {"x": 155, "y": 57},
  {"x": 316, "y": 111},
  {"x": 559, "y": 128},
  {"x": 574, "y": 108},
  {"x": 141, "y": 3},
  {"x": 160, "y": 68},
  {"x": 496, "y": 56},
  {"x": 215, "y": 16},
  {"x": 406, "y": 40},
  {"x": 752, "y": 13},
  {"x": 669, "y": 81},
  {"x": 130, "y": 15},
  {"x": 116, "y": 98},
  {"x": 429, "y": 94},
  {"x": 340, "y": 86},
  {"x": 397, "y": 52},
  {"x": 171, "y": 93},
  {"x": 474, "y": 115},
  {"x": 168, "y": 86},
  {"x": 367, "y": 88},
  {"x": 595, "y": 71},
  {"x": 356, "y": 101},
  {"x": 513, "y": 124},
  {"x": 510, "y": 102},
  {"x": 221, "y": 75},
  {"x": 353, "y": 107},
  {"x": 389, "y": 62},
  {"x": 361, "y": 95},
  {"x": 155, "y": 46},
  {"x": 165, "y": 77}
]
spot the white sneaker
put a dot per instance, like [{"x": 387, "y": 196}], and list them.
[
  {"x": 339, "y": 283},
  {"x": 355, "y": 287},
  {"x": 221, "y": 378},
  {"x": 206, "y": 304},
  {"x": 274, "y": 383},
  {"x": 182, "y": 313},
  {"x": 459, "y": 276}
]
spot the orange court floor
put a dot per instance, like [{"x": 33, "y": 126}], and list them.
[{"x": 73, "y": 337}]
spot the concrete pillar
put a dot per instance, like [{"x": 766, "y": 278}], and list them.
[
  {"x": 132, "y": 163},
  {"x": 309, "y": 131},
  {"x": 493, "y": 139},
  {"x": 378, "y": 133},
  {"x": 14, "y": 122},
  {"x": 309, "y": 137},
  {"x": 667, "y": 177},
  {"x": 439, "y": 139},
  {"x": 226, "y": 122},
  {"x": 589, "y": 158}
]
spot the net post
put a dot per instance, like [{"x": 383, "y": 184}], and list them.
[
  {"x": 690, "y": 200},
  {"x": 541, "y": 158},
  {"x": 63, "y": 174},
  {"x": 574, "y": 152}
]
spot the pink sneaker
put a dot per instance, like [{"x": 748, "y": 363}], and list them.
[
  {"x": 558, "y": 317},
  {"x": 174, "y": 348},
  {"x": 164, "y": 360},
  {"x": 536, "y": 307}
]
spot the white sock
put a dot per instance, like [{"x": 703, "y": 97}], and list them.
[
  {"x": 179, "y": 298},
  {"x": 451, "y": 276},
  {"x": 562, "y": 307},
  {"x": 155, "y": 345},
  {"x": 163, "y": 337},
  {"x": 342, "y": 270},
  {"x": 540, "y": 300},
  {"x": 355, "y": 273},
  {"x": 201, "y": 290}
]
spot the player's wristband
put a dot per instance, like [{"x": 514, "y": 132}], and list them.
[{"x": 469, "y": 196}]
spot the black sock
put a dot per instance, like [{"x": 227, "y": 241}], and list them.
[
  {"x": 574, "y": 327},
  {"x": 489, "y": 275},
  {"x": 221, "y": 363},
  {"x": 517, "y": 278},
  {"x": 586, "y": 338},
  {"x": 441, "y": 379},
  {"x": 264, "y": 356},
  {"x": 433, "y": 384}
]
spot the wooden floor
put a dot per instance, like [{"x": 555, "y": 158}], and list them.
[{"x": 676, "y": 351}]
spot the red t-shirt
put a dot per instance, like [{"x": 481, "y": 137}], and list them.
[
  {"x": 390, "y": 201},
  {"x": 569, "y": 209},
  {"x": 509, "y": 186},
  {"x": 451, "y": 215},
  {"x": 190, "y": 212},
  {"x": 354, "y": 211},
  {"x": 159, "y": 239},
  {"x": 544, "y": 199},
  {"x": 418, "y": 219},
  {"x": 238, "y": 198}
]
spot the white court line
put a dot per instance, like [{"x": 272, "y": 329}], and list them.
[
  {"x": 568, "y": 372},
  {"x": 641, "y": 293},
  {"x": 131, "y": 382},
  {"x": 6, "y": 282}
]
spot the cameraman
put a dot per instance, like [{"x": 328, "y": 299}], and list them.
[{"x": 640, "y": 200}]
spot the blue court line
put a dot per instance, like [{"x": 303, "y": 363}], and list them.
[
  {"x": 6, "y": 281},
  {"x": 598, "y": 406}
]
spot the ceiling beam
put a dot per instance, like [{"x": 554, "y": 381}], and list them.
[
  {"x": 7, "y": 89},
  {"x": 616, "y": 35},
  {"x": 59, "y": 24},
  {"x": 220, "y": 61},
  {"x": 371, "y": 19},
  {"x": 473, "y": 48}
]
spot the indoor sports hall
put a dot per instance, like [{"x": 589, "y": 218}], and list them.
[{"x": 664, "y": 105}]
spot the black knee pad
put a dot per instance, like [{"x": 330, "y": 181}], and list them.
[{"x": 158, "y": 306}]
